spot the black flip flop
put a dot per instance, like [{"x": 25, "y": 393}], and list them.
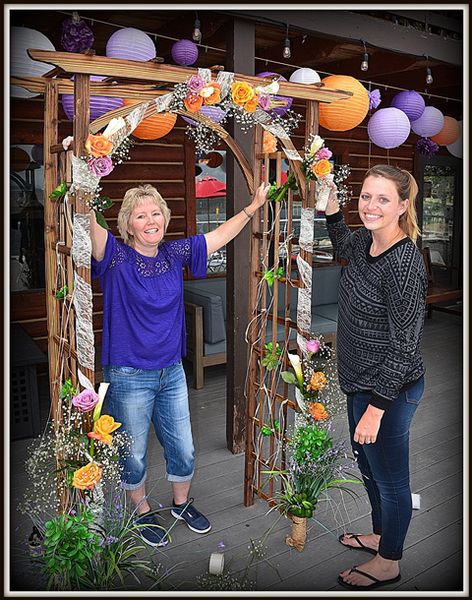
[
  {"x": 376, "y": 583},
  {"x": 356, "y": 537}
]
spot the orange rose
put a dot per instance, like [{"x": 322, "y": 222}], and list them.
[
  {"x": 103, "y": 428},
  {"x": 269, "y": 142},
  {"x": 211, "y": 94},
  {"x": 98, "y": 145},
  {"x": 193, "y": 102},
  {"x": 241, "y": 92},
  {"x": 322, "y": 167},
  {"x": 318, "y": 381},
  {"x": 317, "y": 411},
  {"x": 251, "y": 105},
  {"x": 86, "y": 477}
]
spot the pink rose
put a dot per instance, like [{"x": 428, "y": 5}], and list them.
[
  {"x": 324, "y": 153},
  {"x": 86, "y": 400},
  {"x": 195, "y": 83},
  {"x": 313, "y": 346},
  {"x": 100, "y": 166},
  {"x": 264, "y": 101}
]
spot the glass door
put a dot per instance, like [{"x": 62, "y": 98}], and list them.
[{"x": 440, "y": 216}]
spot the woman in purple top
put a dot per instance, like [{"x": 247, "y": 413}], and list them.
[{"x": 144, "y": 341}]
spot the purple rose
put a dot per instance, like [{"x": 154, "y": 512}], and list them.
[
  {"x": 86, "y": 400},
  {"x": 324, "y": 153},
  {"x": 195, "y": 84},
  {"x": 264, "y": 101},
  {"x": 100, "y": 166},
  {"x": 313, "y": 346}
]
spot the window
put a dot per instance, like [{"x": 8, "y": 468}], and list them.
[{"x": 26, "y": 218}]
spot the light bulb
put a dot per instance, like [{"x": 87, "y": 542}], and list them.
[
  {"x": 197, "y": 34},
  {"x": 429, "y": 76},
  {"x": 286, "y": 51},
  {"x": 365, "y": 62}
]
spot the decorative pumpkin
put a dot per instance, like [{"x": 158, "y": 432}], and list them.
[
  {"x": 449, "y": 133},
  {"x": 343, "y": 115},
  {"x": 153, "y": 127}
]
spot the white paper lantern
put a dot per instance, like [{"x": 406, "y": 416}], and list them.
[
  {"x": 304, "y": 75},
  {"x": 456, "y": 148},
  {"x": 430, "y": 123},
  {"x": 21, "y": 65}
]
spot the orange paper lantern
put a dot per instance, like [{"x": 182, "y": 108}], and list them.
[
  {"x": 343, "y": 115},
  {"x": 153, "y": 127},
  {"x": 449, "y": 133}
]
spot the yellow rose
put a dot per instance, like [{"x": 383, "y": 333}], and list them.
[
  {"x": 98, "y": 145},
  {"x": 86, "y": 477},
  {"x": 241, "y": 92},
  {"x": 251, "y": 105},
  {"x": 103, "y": 428},
  {"x": 322, "y": 167},
  {"x": 318, "y": 381}
]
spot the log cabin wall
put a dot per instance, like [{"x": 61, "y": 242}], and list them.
[{"x": 167, "y": 163}]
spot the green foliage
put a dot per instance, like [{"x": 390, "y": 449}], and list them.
[
  {"x": 309, "y": 443},
  {"x": 289, "y": 377},
  {"x": 99, "y": 205},
  {"x": 272, "y": 356},
  {"x": 277, "y": 194},
  {"x": 271, "y": 275},
  {"x": 69, "y": 547},
  {"x": 68, "y": 391},
  {"x": 59, "y": 192},
  {"x": 62, "y": 293},
  {"x": 101, "y": 220}
]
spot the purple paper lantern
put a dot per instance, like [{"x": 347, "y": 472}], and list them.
[
  {"x": 184, "y": 52},
  {"x": 131, "y": 44},
  {"x": 388, "y": 127},
  {"x": 410, "y": 102},
  {"x": 430, "y": 123},
  {"x": 212, "y": 112},
  {"x": 278, "y": 110},
  {"x": 99, "y": 105}
]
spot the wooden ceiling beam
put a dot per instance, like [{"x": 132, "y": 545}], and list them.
[{"x": 152, "y": 72}]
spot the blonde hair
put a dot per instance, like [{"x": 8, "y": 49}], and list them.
[
  {"x": 407, "y": 189},
  {"x": 134, "y": 197}
]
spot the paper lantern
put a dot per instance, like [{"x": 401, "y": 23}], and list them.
[
  {"x": 410, "y": 102},
  {"x": 449, "y": 133},
  {"x": 304, "y": 75},
  {"x": 99, "y": 105},
  {"x": 343, "y": 115},
  {"x": 215, "y": 159},
  {"x": 215, "y": 113},
  {"x": 388, "y": 127},
  {"x": 430, "y": 123},
  {"x": 19, "y": 159},
  {"x": 153, "y": 127},
  {"x": 278, "y": 110},
  {"x": 456, "y": 147},
  {"x": 21, "y": 65},
  {"x": 131, "y": 44},
  {"x": 184, "y": 52},
  {"x": 37, "y": 153}
]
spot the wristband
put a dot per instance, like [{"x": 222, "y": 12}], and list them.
[{"x": 248, "y": 215}]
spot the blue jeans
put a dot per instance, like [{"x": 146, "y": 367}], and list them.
[
  {"x": 137, "y": 397},
  {"x": 384, "y": 466}
]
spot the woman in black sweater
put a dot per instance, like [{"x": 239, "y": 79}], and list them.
[{"x": 381, "y": 314}]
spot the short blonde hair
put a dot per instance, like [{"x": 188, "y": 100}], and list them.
[{"x": 134, "y": 197}]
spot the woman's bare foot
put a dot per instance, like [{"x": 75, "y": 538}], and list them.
[
  {"x": 370, "y": 540},
  {"x": 380, "y": 568}
]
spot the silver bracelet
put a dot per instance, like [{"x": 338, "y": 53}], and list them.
[{"x": 248, "y": 215}]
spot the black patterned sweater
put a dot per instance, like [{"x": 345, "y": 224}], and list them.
[{"x": 381, "y": 314}]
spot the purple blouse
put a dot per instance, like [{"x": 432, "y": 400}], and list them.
[{"x": 143, "y": 307}]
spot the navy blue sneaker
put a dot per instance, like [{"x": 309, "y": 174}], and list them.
[
  {"x": 150, "y": 530},
  {"x": 192, "y": 517}
]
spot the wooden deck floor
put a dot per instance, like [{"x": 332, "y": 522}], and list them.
[{"x": 433, "y": 557}]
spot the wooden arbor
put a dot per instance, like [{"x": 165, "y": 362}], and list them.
[{"x": 64, "y": 337}]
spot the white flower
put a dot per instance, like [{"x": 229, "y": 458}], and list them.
[
  {"x": 207, "y": 91},
  {"x": 315, "y": 145},
  {"x": 297, "y": 367},
  {"x": 272, "y": 88},
  {"x": 113, "y": 126}
]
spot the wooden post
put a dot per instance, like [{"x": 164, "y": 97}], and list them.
[{"x": 241, "y": 49}]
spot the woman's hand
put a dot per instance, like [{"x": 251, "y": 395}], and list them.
[
  {"x": 369, "y": 425},
  {"x": 332, "y": 206},
  {"x": 260, "y": 198}
]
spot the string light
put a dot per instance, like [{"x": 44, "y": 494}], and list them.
[
  {"x": 197, "y": 34},
  {"x": 286, "y": 51},
  {"x": 365, "y": 59}
]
